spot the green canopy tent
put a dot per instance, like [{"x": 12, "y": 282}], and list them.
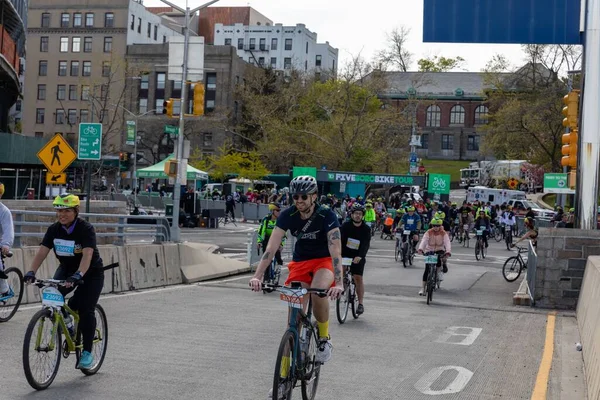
[{"x": 158, "y": 171}]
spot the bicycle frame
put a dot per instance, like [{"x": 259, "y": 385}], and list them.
[{"x": 58, "y": 320}]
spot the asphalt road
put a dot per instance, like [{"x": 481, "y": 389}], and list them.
[{"x": 219, "y": 340}]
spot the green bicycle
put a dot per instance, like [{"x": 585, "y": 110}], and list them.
[{"x": 43, "y": 345}]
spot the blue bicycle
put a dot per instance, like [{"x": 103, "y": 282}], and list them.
[
  {"x": 10, "y": 300},
  {"x": 272, "y": 275},
  {"x": 296, "y": 358}
]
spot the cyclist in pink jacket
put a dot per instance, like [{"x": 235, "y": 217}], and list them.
[{"x": 435, "y": 240}]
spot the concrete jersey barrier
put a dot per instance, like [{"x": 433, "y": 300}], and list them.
[
  {"x": 197, "y": 264},
  {"x": 588, "y": 319}
]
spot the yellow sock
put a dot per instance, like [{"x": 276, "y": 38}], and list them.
[
  {"x": 323, "y": 329},
  {"x": 285, "y": 366}
]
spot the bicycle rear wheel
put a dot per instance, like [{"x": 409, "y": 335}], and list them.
[
  {"x": 284, "y": 378},
  {"x": 342, "y": 304},
  {"x": 431, "y": 282},
  {"x": 397, "y": 250},
  {"x": 405, "y": 253},
  {"x": 41, "y": 359},
  {"x": 100, "y": 342},
  {"x": 10, "y": 303},
  {"x": 511, "y": 270},
  {"x": 311, "y": 369}
]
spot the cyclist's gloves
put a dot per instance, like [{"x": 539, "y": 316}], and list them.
[
  {"x": 29, "y": 277},
  {"x": 75, "y": 278}
]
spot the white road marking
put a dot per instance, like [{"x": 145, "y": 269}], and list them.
[
  {"x": 467, "y": 338},
  {"x": 463, "y": 377}
]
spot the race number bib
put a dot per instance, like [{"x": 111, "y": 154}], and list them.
[
  {"x": 410, "y": 221},
  {"x": 353, "y": 244},
  {"x": 64, "y": 247}
]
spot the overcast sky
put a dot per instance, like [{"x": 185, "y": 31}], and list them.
[{"x": 355, "y": 30}]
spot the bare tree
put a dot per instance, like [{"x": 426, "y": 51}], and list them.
[{"x": 396, "y": 55}]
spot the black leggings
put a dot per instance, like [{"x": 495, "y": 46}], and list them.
[
  {"x": 439, "y": 264},
  {"x": 84, "y": 300}
]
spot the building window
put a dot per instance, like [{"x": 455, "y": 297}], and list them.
[
  {"x": 74, "y": 68},
  {"x": 89, "y": 20},
  {"x": 434, "y": 115},
  {"x": 72, "y": 92},
  {"x": 261, "y": 61},
  {"x": 149, "y": 29},
  {"x": 274, "y": 62},
  {"x": 473, "y": 143},
  {"x": 87, "y": 68},
  {"x": 160, "y": 80},
  {"x": 306, "y": 65},
  {"x": 72, "y": 116},
  {"x": 274, "y": 44},
  {"x": 425, "y": 141},
  {"x": 39, "y": 115},
  {"x": 59, "y": 117},
  {"x": 45, "y": 20},
  {"x": 62, "y": 68},
  {"x": 87, "y": 44},
  {"x": 44, "y": 44},
  {"x": 143, "y": 106},
  {"x": 240, "y": 44},
  {"x": 65, "y": 20},
  {"x": 76, "y": 44},
  {"x": 108, "y": 44},
  {"x": 262, "y": 43},
  {"x": 159, "y": 105},
  {"x": 41, "y": 93},
  {"x": 85, "y": 92},
  {"x": 228, "y": 42},
  {"x": 103, "y": 92},
  {"x": 207, "y": 139},
  {"x": 164, "y": 39},
  {"x": 61, "y": 92},
  {"x": 306, "y": 48},
  {"x": 139, "y": 25},
  {"x": 447, "y": 142},
  {"x": 84, "y": 116},
  {"x": 64, "y": 44},
  {"x": 287, "y": 63},
  {"x": 43, "y": 68},
  {"x": 39, "y": 134},
  {"x": 211, "y": 80},
  {"x": 288, "y": 44},
  {"x": 77, "y": 20},
  {"x": 252, "y": 44},
  {"x": 132, "y": 25},
  {"x": 457, "y": 115},
  {"x": 318, "y": 60},
  {"x": 481, "y": 115},
  {"x": 144, "y": 80},
  {"x": 155, "y": 33},
  {"x": 105, "y": 68},
  {"x": 109, "y": 20}
]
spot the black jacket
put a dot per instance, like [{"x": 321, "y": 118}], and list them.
[{"x": 361, "y": 234}]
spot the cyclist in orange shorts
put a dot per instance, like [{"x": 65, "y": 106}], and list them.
[{"x": 317, "y": 260}]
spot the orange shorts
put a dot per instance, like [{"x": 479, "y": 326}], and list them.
[{"x": 304, "y": 271}]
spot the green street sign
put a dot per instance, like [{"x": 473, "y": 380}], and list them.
[
  {"x": 130, "y": 133},
  {"x": 90, "y": 142},
  {"x": 556, "y": 183},
  {"x": 172, "y": 130},
  {"x": 299, "y": 171},
  {"x": 439, "y": 184}
]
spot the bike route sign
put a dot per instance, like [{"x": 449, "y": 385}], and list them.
[
  {"x": 439, "y": 184},
  {"x": 382, "y": 179},
  {"x": 90, "y": 142},
  {"x": 556, "y": 183}
]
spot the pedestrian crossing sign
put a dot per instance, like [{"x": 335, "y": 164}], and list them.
[{"x": 57, "y": 155}]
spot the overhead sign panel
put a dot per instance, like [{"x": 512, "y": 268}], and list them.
[{"x": 502, "y": 21}]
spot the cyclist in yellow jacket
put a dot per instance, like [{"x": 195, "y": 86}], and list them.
[{"x": 370, "y": 217}]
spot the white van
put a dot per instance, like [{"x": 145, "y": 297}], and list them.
[{"x": 494, "y": 196}]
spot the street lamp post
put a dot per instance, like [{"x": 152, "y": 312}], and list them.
[{"x": 175, "y": 231}]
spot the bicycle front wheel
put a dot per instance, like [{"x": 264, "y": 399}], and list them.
[
  {"x": 341, "y": 306},
  {"x": 431, "y": 282},
  {"x": 100, "y": 342},
  {"x": 397, "y": 250},
  {"x": 354, "y": 300},
  {"x": 477, "y": 249},
  {"x": 311, "y": 369},
  {"x": 9, "y": 304},
  {"x": 41, "y": 350},
  {"x": 284, "y": 378},
  {"x": 512, "y": 268}
]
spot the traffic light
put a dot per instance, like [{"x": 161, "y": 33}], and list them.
[
  {"x": 123, "y": 157},
  {"x": 198, "y": 99},
  {"x": 571, "y": 109},
  {"x": 169, "y": 107},
  {"x": 569, "y": 149}
]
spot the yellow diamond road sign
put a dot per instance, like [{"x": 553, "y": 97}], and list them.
[
  {"x": 56, "y": 179},
  {"x": 57, "y": 155}
]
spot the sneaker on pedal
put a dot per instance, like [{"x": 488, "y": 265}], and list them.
[
  {"x": 280, "y": 391},
  {"x": 360, "y": 309},
  {"x": 324, "y": 350},
  {"x": 441, "y": 276},
  {"x": 421, "y": 292},
  {"x": 86, "y": 360}
]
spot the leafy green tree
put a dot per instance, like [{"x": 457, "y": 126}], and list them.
[{"x": 440, "y": 64}]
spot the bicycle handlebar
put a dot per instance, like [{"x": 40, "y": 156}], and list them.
[
  {"x": 318, "y": 292},
  {"x": 40, "y": 283},
  {"x": 7, "y": 255}
]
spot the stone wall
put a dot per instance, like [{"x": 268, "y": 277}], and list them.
[
  {"x": 96, "y": 207},
  {"x": 562, "y": 256}
]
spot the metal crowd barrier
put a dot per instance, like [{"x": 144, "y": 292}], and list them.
[
  {"x": 250, "y": 211},
  {"x": 254, "y": 255},
  {"x": 157, "y": 226},
  {"x": 531, "y": 271}
]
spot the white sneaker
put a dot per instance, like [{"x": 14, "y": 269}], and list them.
[
  {"x": 4, "y": 286},
  {"x": 324, "y": 351},
  {"x": 280, "y": 391},
  {"x": 441, "y": 276}
]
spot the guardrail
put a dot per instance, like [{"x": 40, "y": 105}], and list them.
[
  {"x": 157, "y": 226},
  {"x": 531, "y": 271}
]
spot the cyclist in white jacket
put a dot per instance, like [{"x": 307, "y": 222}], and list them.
[
  {"x": 508, "y": 219},
  {"x": 7, "y": 236}
]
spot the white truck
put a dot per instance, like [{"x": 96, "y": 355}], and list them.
[
  {"x": 494, "y": 196},
  {"x": 502, "y": 174}
]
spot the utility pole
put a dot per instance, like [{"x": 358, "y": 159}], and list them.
[{"x": 175, "y": 231}]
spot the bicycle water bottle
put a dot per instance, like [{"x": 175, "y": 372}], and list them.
[{"x": 70, "y": 325}]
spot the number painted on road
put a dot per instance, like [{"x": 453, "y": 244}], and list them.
[
  {"x": 453, "y": 333},
  {"x": 463, "y": 376}
]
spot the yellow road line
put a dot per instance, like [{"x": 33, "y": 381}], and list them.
[{"x": 541, "y": 382}]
